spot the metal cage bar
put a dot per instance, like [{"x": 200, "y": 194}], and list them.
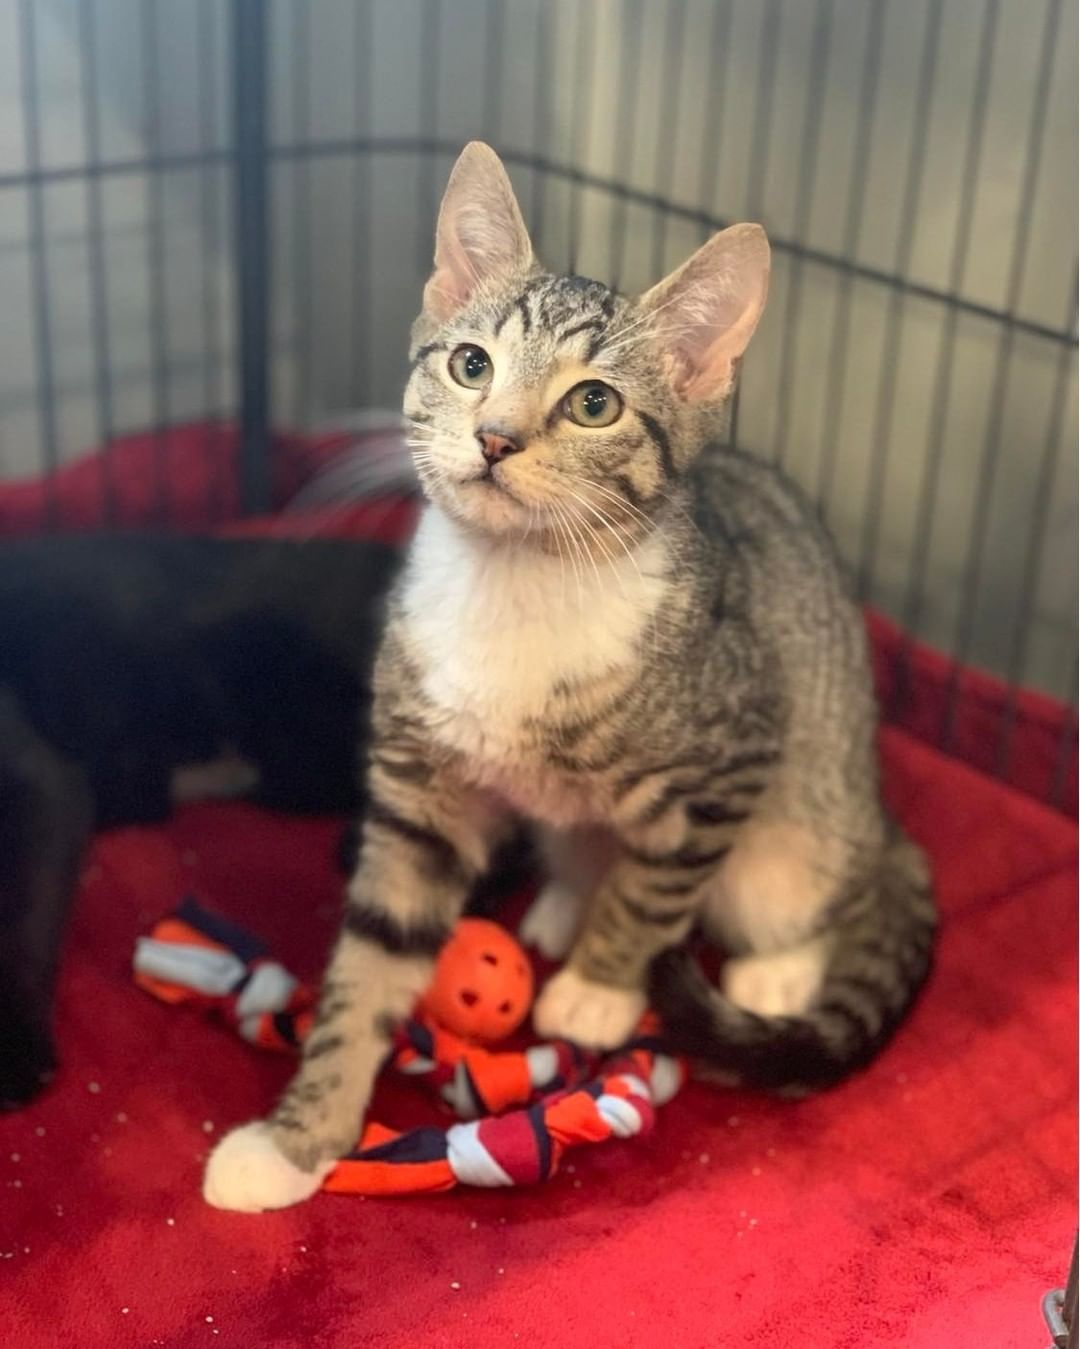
[
  {"x": 209, "y": 216},
  {"x": 252, "y": 248},
  {"x": 841, "y": 328},
  {"x": 28, "y": 62},
  {"x": 98, "y": 279},
  {"x": 158, "y": 332}
]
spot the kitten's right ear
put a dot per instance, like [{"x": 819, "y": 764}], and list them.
[
  {"x": 480, "y": 232},
  {"x": 710, "y": 307}
]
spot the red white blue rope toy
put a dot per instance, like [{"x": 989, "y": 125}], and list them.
[{"x": 520, "y": 1110}]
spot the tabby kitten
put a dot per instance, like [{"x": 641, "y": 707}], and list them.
[{"x": 640, "y": 642}]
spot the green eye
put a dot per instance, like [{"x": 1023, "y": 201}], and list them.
[
  {"x": 593, "y": 404},
  {"x": 470, "y": 367}
]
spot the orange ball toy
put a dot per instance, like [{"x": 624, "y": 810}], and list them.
[{"x": 483, "y": 984}]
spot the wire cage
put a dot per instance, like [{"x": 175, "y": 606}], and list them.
[{"x": 222, "y": 212}]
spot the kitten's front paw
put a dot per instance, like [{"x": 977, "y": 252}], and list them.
[
  {"x": 247, "y": 1173},
  {"x": 595, "y": 1016},
  {"x": 552, "y": 921}
]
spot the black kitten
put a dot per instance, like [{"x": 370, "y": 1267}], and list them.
[{"x": 134, "y": 671}]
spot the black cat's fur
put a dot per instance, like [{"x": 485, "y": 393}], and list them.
[{"x": 124, "y": 659}]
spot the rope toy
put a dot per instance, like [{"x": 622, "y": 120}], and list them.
[{"x": 520, "y": 1111}]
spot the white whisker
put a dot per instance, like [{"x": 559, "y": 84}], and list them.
[
  {"x": 562, "y": 563},
  {"x": 355, "y": 473},
  {"x": 587, "y": 533},
  {"x": 646, "y": 521},
  {"x": 573, "y": 548},
  {"x": 609, "y": 525},
  {"x": 624, "y": 336}
]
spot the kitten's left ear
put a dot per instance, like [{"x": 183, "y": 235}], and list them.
[
  {"x": 480, "y": 232},
  {"x": 707, "y": 310}
]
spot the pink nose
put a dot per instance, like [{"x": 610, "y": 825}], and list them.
[{"x": 494, "y": 446}]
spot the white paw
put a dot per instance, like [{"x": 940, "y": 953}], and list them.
[
  {"x": 551, "y": 923},
  {"x": 247, "y": 1173},
  {"x": 784, "y": 984},
  {"x": 592, "y": 1015}
]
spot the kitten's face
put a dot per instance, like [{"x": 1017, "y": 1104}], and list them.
[
  {"x": 539, "y": 407},
  {"x": 550, "y": 406}
]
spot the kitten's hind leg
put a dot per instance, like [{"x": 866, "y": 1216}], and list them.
[
  {"x": 784, "y": 983},
  {"x": 575, "y": 862},
  {"x": 766, "y": 907},
  {"x": 552, "y": 920}
]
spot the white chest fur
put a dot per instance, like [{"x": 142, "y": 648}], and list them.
[{"x": 495, "y": 626}]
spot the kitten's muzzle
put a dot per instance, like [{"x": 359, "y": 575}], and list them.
[{"x": 496, "y": 445}]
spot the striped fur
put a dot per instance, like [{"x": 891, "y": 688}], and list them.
[{"x": 645, "y": 644}]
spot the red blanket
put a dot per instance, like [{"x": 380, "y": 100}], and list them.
[{"x": 927, "y": 1203}]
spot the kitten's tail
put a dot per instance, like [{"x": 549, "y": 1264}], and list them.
[
  {"x": 881, "y": 953},
  {"x": 375, "y": 462}
]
